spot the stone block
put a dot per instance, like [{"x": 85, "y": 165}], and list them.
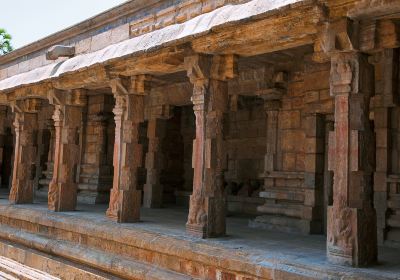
[
  {"x": 313, "y": 180},
  {"x": 290, "y": 119},
  {"x": 381, "y": 118},
  {"x": 314, "y": 145},
  {"x": 295, "y": 88},
  {"x": 380, "y": 182},
  {"x": 23, "y": 66},
  {"x": 83, "y": 46},
  {"x": 381, "y": 138},
  {"x": 300, "y": 161},
  {"x": 100, "y": 41},
  {"x": 289, "y": 161},
  {"x": 3, "y": 73},
  {"x": 120, "y": 33},
  {"x": 314, "y": 163},
  {"x": 311, "y": 97},
  {"x": 297, "y": 103},
  {"x": 381, "y": 160},
  {"x": 317, "y": 80},
  {"x": 292, "y": 140},
  {"x": 325, "y": 94}
]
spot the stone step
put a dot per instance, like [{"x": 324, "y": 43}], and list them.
[
  {"x": 117, "y": 265},
  {"x": 10, "y": 269},
  {"x": 283, "y": 194},
  {"x": 47, "y": 264}
]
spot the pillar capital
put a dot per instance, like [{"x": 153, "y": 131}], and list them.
[
  {"x": 345, "y": 34},
  {"x": 201, "y": 67}
]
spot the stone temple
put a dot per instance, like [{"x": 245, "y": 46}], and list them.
[{"x": 205, "y": 139}]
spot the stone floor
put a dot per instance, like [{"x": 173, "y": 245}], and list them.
[{"x": 271, "y": 247}]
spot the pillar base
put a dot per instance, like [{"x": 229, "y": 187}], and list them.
[
  {"x": 352, "y": 236},
  {"x": 152, "y": 196},
  {"x": 62, "y": 197},
  {"x": 199, "y": 231},
  {"x": 125, "y": 206},
  {"x": 207, "y": 217}
]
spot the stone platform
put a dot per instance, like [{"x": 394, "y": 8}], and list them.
[{"x": 86, "y": 244}]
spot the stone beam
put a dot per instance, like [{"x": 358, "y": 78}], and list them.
[
  {"x": 67, "y": 121},
  {"x": 277, "y": 32},
  {"x": 26, "y": 125},
  {"x": 96, "y": 77},
  {"x": 125, "y": 197},
  {"x": 165, "y": 61}
]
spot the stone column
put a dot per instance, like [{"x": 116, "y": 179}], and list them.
[
  {"x": 270, "y": 159},
  {"x": 67, "y": 121},
  {"x": 386, "y": 72},
  {"x": 3, "y": 116},
  {"x": 210, "y": 102},
  {"x": 351, "y": 236},
  {"x": 314, "y": 171},
  {"x": 153, "y": 190},
  {"x": 26, "y": 125},
  {"x": 125, "y": 197}
]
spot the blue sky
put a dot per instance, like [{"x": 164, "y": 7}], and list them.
[{"x": 30, "y": 20}]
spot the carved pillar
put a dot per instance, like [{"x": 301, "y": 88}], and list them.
[
  {"x": 153, "y": 190},
  {"x": 67, "y": 120},
  {"x": 210, "y": 100},
  {"x": 26, "y": 125},
  {"x": 125, "y": 197},
  {"x": 351, "y": 220}
]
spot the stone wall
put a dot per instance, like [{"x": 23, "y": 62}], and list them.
[{"x": 96, "y": 168}]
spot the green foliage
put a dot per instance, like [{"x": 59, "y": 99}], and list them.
[{"x": 5, "y": 42}]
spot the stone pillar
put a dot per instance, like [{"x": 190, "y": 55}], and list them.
[
  {"x": 125, "y": 197},
  {"x": 26, "y": 125},
  {"x": 351, "y": 236},
  {"x": 386, "y": 72},
  {"x": 210, "y": 102},
  {"x": 270, "y": 159},
  {"x": 314, "y": 171},
  {"x": 3, "y": 116},
  {"x": 67, "y": 121},
  {"x": 153, "y": 190}
]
